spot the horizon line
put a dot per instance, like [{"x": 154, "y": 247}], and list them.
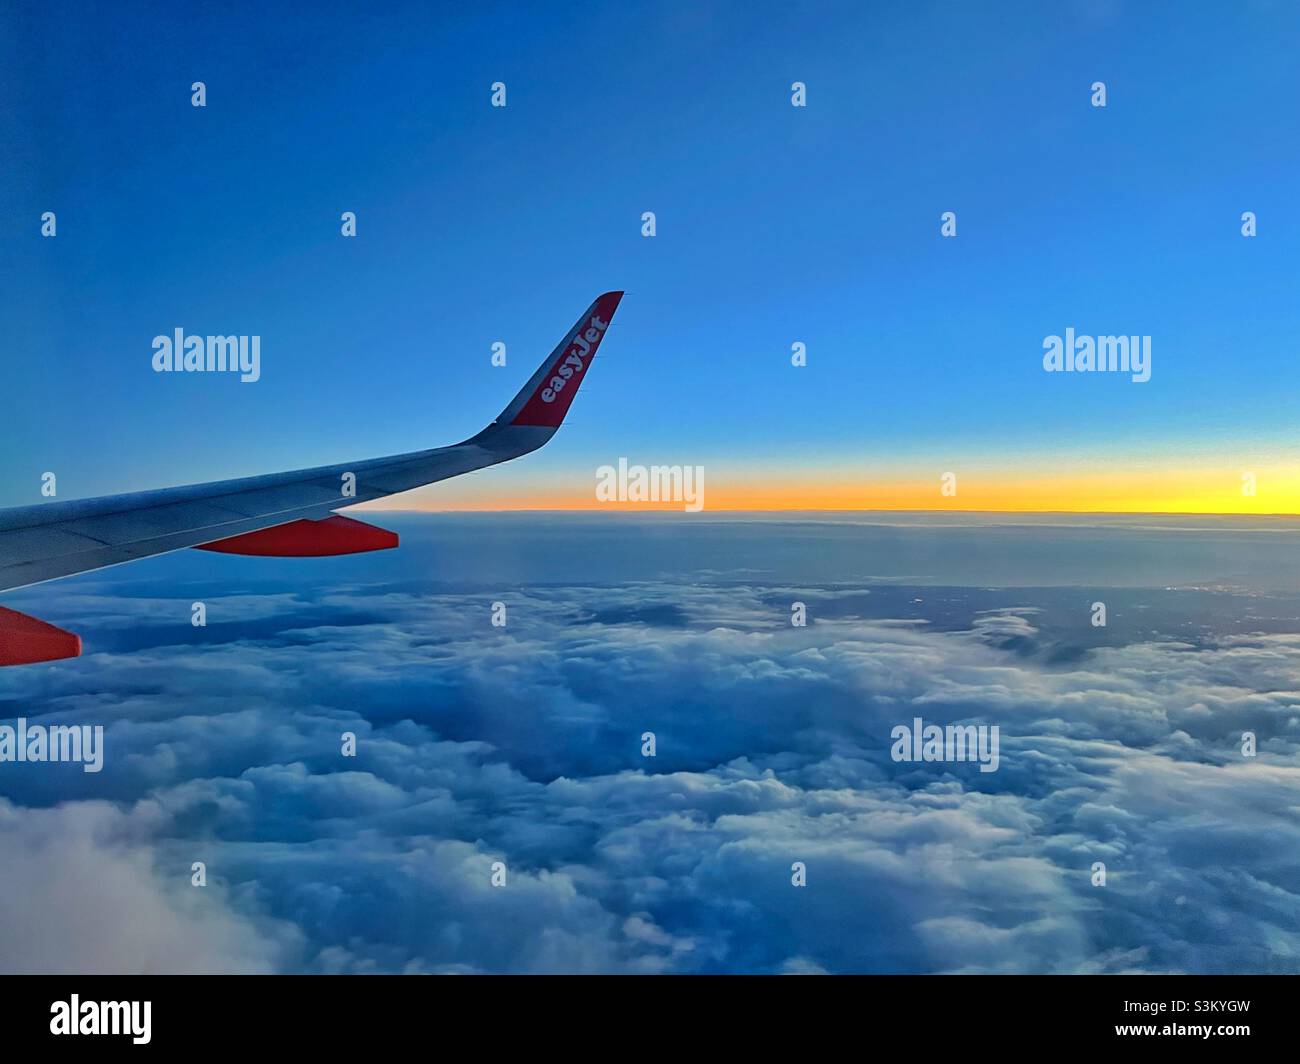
[{"x": 620, "y": 509}]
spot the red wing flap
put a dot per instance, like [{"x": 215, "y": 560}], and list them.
[
  {"x": 307, "y": 539},
  {"x": 25, "y": 640}
]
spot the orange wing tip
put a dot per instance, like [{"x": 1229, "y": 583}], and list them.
[
  {"x": 307, "y": 539},
  {"x": 550, "y": 401},
  {"x": 26, "y": 640}
]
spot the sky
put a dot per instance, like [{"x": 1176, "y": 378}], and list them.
[
  {"x": 522, "y": 744},
  {"x": 775, "y": 225}
]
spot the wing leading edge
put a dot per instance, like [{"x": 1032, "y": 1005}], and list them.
[{"x": 44, "y": 542}]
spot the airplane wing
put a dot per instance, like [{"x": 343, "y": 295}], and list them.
[{"x": 281, "y": 514}]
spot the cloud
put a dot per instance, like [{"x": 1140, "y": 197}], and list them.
[
  {"x": 523, "y": 745},
  {"x": 80, "y": 892}
]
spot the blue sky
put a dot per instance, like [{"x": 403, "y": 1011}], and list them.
[{"x": 775, "y": 224}]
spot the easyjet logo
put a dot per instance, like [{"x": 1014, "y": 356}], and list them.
[{"x": 584, "y": 343}]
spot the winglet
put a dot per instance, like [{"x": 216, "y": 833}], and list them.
[{"x": 545, "y": 399}]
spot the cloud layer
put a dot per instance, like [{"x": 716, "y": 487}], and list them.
[{"x": 523, "y": 745}]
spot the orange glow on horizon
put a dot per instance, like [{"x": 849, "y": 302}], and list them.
[{"x": 1149, "y": 490}]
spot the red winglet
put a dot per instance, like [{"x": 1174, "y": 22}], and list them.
[
  {"x": 550, "y": 401},
  {"x": 308, "y": 539},
  {"x": 25, "y": 640}
]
